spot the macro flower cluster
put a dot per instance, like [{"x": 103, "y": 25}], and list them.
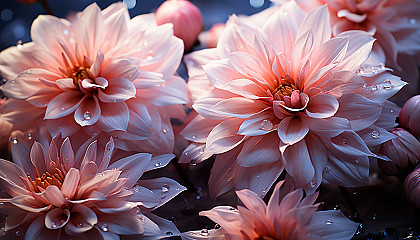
[{"x": 301, "y": 95}]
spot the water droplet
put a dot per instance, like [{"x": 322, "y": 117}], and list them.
[
  {"x": 141, "y": 218},
  {"x": 374, "y": 70},
  {"x": 313, "y": 183},
  {"x": 217, "y": 226},
  {"x": 391, "y": 110},
  {"x": 137, "y": 188},
  {"x": 53, "y": 225},
  {"x": 104, "y": 227},
  {"x": 375, "y": 133},
  {"x": 28, "y": 136},
  {"x": 169, "y": 233},
  {"x": 62, "y": 108},
  {"x": 413, "y": 21},
  {"x": 329, "y": 221},
  {"x": 344, "y": 140},
  {"x": 79, "y": 225},
  {"x": 361, "y": 70},
  {"x": 374, "y": 87},
  {"x": 157, "y": 164},
  {"x": 19, "y": 44},
  {"x": 365, "y": 84},
  {"x": 87, "y": 115},
  {"x": 194, "y": 136},
  {"x": 266, "y": 125},
  {"x": 387, "y": 84},
  {"x": 115, "y": 100},
  {"x": 165, "y": 130},
  {"x": 193, "y": 163},
  {"x": 12, "y": 82},
  {"x": 17, "y": 233},
  {"x": 232, "y": 209},
  {"x": 204, "y": 232},
  {"x": 165, "y": 188},
  {"x": 186, "y": 153},
  {"x": 328, "y": 168},
  {"x": 381, "y": 65},
  {"x": 14, "y": 140},
  {"x": 162, "y": 196},
  {"x": 374, "y": 216},
  {"x": 201, "y": 150},
  {"x": 357, "y": 161},
  {"x": 149, "y": 58}
]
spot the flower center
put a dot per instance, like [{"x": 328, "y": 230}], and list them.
[
  {"x": 79, "y": 73},
  {"x": 283, "y": 90},
  {"x": 265, "y": 238},
  {"x": 47, "y": 179}
]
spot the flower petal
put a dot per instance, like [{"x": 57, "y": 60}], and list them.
[
  {"x": 63, "y": 104},
  {"x": 82, "y": 219},
  {"x": 322, "y": 106},
  {"x": 114, "y": 116},
  {"x": 340, "y": 228},
  {"x": 70, "y": 184},
  {"x": 57, "y": 218},
  {"x": 239, "y": 107},
  {"x": 119, "y": 90},
  {"x": 164, "y": 188},
  {"x": 132, "y": 167},
  {"x": 291, "y": 130},
  {"x": 88, "y": 112},
  {"x": 224, "y": 136},
  {"x": 260, "y": 150}
]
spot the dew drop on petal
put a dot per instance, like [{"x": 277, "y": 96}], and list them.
[
  {"x": 361, "y": 70},
  {"x": 165, "y": 130},
  {"x": 365, "y": 84},
  {"x": 14, "y": 140},
  {"x": 204, "y": 232},
  {"x": 193, "y": 163},
  {"x": 313, "y": 183},
  {"x": 374, "y": 87},
  {"x": 391, "y": 110},
  {"x": 412, "y": 21},
  {"x": 104, "y": 227},
  {"x": 17, "y": 233},
  {"x": 162, "y": 196},
  {"x": 381, "y": 65},
  {"x": 165, "y": 188},
  {"x": 328, "y": 168},
  {"x": 266, "y": 125},
  {"x": 149, "y": 58},
  {"x": 375, "y": 133},
  {"x": 19, "y": 44},
  {"x": 157, "y": 164},
  {"x": 387, "y": 84},
  {"x": 201, "y": 150},
  {"x": 344, "y": 141},
  {"x": 87, "y": 115},
  {"x": 79, "y": 225},
  {"x": 194, "y": 136},
  {"x": 329, "y": 221},
  {"x": 137, "y": 188},
  {"x": 232, "y": 209},
  {"x": 28, "y": 136},
  {"x": 169, "y": 233}
]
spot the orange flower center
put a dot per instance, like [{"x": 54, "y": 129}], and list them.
[
  {"x": 265, "y": 238},
  {"x": 79, "y": 73},
  {"x": 283, "y": 90},
  {"x": 46, "y": 180}
]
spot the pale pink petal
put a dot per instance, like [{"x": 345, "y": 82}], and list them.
[
  {"x": 53, "y": 194},
  {"x": 12, "y": 172},
  {"x": 225, "y": 216},
  {"x": 301, "y": 49},
  {"x": 352, "y": 172},
  {"x": 258, "y": 124},
  {"x": 90, "y": 153},
  {"x": 319, "y": 159},
  {"x": 246, "y": 88},
  {"x": 322, "y": 106},
  {"x": 57, "y": 218},
  {"x": 29, "y": 204},
  {"x": 116, "y": 23},
  {"x": 164, "y": 188},
  {"x": 140, "y": 123},
  {"x": 165, "y": 226},
  {"x": 327, "y": 127},
  {"x": 239, "y": 107},
  {"x": 106, "y": 158},
  {"x": 70, "y": 183},
  {"x": 341, "y": 228},
  {"x": 14, "y": 60},
  {"x": 349, "y": 143},
  {"x": 132, "y": 167},
  {"x": 292, "y": 129},
  {"x": 298, "y": 163},
  {"x": 63, "y": 104},
  {"x": 91, "y": 28},
  {"x": 259, "y": 150},
  {"x": 224, "y": 136},
  {"x": 146, "y": 196},
  {"x": 12, "y": 188},
  {"x": 114, "y": 116},
  {"x": 159, "y": 161},
  {"x": 121, "y": 68},
  {"x": 88, "y": 112},
  {"x": 374, "y": 135},
  {"x": 147, "y": 79},
  {"x": 198, "y": 129},
  {"x": 96, "y": 67},
  {"x": 124, "y": 223},
  {"x": 319, "y": 22},
  {"x": 220, "y": 72},
  {"x": 82, "y": 219},
  {"x": 173, "y": 92},
  {"x": 252, "y": 201},
  {"x": 223, "y": 172},
  {"x": 195, "y": 153},
  {"x": 119, "y": 90}
]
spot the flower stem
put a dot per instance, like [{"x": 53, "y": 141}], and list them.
[
  {"x": 356, "y": 216},
  {"x": 46, "y": 7}
]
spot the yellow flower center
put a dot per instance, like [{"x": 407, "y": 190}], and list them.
[
  {"x": 79, "y": 73},
  {"x": 283, "y": 90},
  {"x": 46, "y": 180}
]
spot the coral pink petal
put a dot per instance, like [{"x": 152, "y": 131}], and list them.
[
  {"x": 227, "y": 218},
  {"x": 12, "y": 172},
  {"x": 224, "y": 136},
  {"x": 70, "y": 183},
  {"x": 53, "y": 194},
  {"x": 121, "y": 68},
  {"x": 63, "y": 104},
  {"x": 252, "y": 201},
  {"x": 220, "y": 73},
  {"x": 67, "y": 154},
  {"x": 29, "y": 204},
  {"x": 292, "y": 129},
  {"x": 259, "y": 150},
  {"x": 114, "y": 116}
]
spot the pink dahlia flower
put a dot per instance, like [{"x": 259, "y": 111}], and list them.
[
  {"x": 409, "y": 116},
  {"x": 412, "y": 188},
  {"x": 288, "y": 215},
  {"x": 6, "y": 129},
  {"x": 59, "y": 194},
  {"x": 286, "y": 96},
  {"x": 101, "y": 72}
]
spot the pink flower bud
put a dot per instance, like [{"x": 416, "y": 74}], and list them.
[
  {"x": 410, "y": 115},
  {"x": 210, "y": 38},
  {"x": 412, "y": 188},
  {"x": 404, "y": 150},
  {"x": 185, "y": 17}
]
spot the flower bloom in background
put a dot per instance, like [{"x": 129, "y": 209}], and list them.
[
  {"x": 185, "y": 17},
  {"x": 6, "y": 129},
  {"x": 60, "y": 194},
  {"x": 412, "y": 188},
  {"x": 102, "y": 72},
  {"x": 394, "y": 23},
  {"x": 210, "y": 37},
  {"x": 286, "y": 96},
  {"x": 288, "y": 215},
  {"x": 404, "y": 152},
  {"x": 409, "y": 117}
]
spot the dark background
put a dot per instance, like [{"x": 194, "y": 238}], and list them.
[{"x": 16, "y": 18}]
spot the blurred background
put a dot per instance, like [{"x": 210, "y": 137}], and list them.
[{"x": 16, "y": 18}]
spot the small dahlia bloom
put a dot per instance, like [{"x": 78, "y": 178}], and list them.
[
  {"x": 403, "y": 151},
  {"x": 59, "y": 194},
  {"x": 6, "y": 129},
  {"x": 186, "y": 18},
  {"x": 409, "y": 117},
  {"x": 288, "y": 215},
  {"x": 286, "y": 96},
  {"x": 412, "y": 188},
  {"x": 101, "y": 72}
]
